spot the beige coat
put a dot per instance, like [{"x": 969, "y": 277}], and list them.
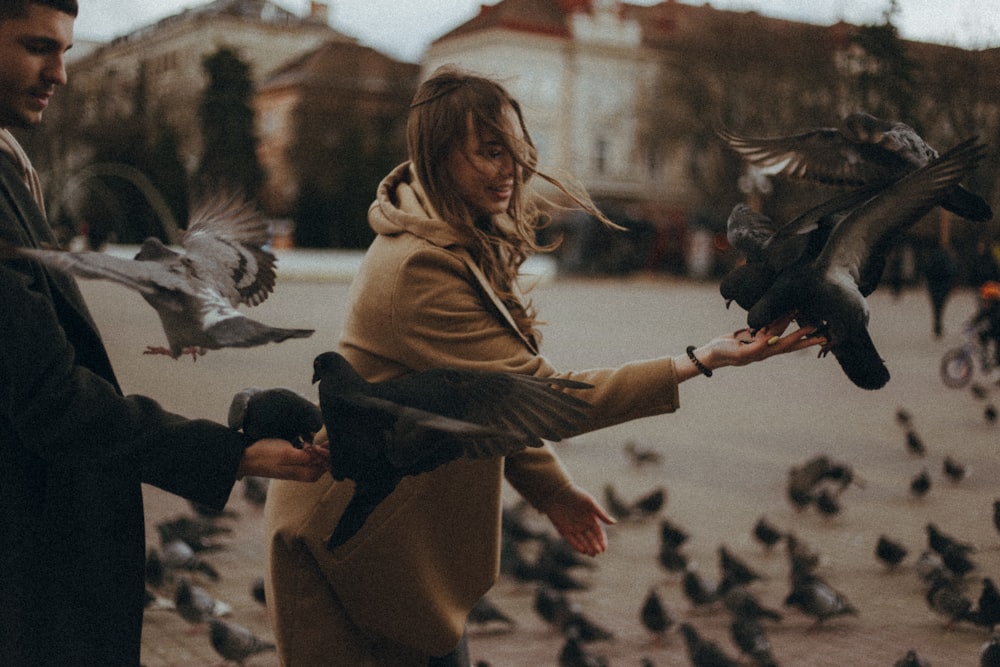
[{"x": 401, "y": 588}]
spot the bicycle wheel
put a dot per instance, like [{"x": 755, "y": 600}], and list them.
[{"x": 956, "y": 368}]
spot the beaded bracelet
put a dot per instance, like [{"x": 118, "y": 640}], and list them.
[{"x": 706, "y": 371}]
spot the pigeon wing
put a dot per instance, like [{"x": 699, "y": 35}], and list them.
[
  {"x": 224, "y": 245},
  {"x": 148, "y": 278},
  {"x": 824, "y": 155},
  {"x": 513, "y": 402},
  {"x": 860, "y": 243}
]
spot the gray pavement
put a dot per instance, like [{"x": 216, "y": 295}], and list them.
[{"x": 725, "y": 457}]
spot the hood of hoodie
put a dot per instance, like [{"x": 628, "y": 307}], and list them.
[{"x": 401, "y": 206}]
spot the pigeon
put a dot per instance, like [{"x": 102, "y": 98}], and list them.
[
  {"x": 196, "y": 605},
  {"x": 698, "y": 589},
  {"x": 673, "y": 535},
  {"x": 768, "y": 250},
  {"x": 258, "y": 591},
  {"x": 194, "y": 531},
  {"x": 943, "y": 543},
  {"x": 655, "y": 616},
  {"x": 815, "y": 597},
  {"x": 236, "y": 643},
  {"x": 911, "y": 659},
  {"x": 920, "y": 484},
  {"x": 574, "y": 654},
  {"x": 889, "y": 551},
  {"x": 830, "y": 291},
  {"x": 946, "y": 599},
  {"x": 485, "y": 612},
  {"x": 987, "y": 611},
  {"x": 275, "y": 413},
  {"x": 155, "y": 602},
  {"x": 827, "y": 502},
  {"x": 989, "y": 653},
  {"x": 748, "y": 634},
  {"x": 996, "y": 515},
  {"x": 903, "y": 417},
  {"x": 802, "y": 559},
  {"x": 178, "y": 555},
  {"x": 953, "y": 470},
  {"x": 585, "y": 629},
  {"x": 671, "y": 558},
  {"x": 741, "y": 602},
  {"x": 641, "y": 456},
  {"x": 733, "y": 571},
  {"x": 382, "y": 432},
  {"x": 990, "y": 413},
  {"x": 862, "y": 150},
  {"x": 618, "y": 507},
  {"x": 914, "y": 443},
  {"x": 551, "y": 605},
  {"x": 703, "y": 652},
  {"x": 646, "y": 505},
  {"x": 766, "y": 533},
  {"x": 255, "y": 489},
  {"x": 222, "y": 264}
]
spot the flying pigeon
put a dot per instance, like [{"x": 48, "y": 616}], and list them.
[
  {"x": 236, "y": 643},
  {"x": 275, "y": 413},
  {"x": 222, "y": 264},
  {"x": 829, "y": 292},
  {"x": 863, "y": 150},
  {"x": 382, "y": 432}
]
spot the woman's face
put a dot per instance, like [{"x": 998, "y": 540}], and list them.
[{"x": 484, "y": 170}]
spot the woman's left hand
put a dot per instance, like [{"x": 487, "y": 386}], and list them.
[{"x": 578, "y": 518}]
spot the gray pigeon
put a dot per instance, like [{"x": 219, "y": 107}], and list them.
[
  {"x": 223, "y": 264},
  {"x": 863, "y": 150},
  {"x": 196, "y": 605},
  {"x": 829, "y": 292},
  {"x": 236, "y": 643},
  {"x": 382, "y": 432},
  {"x": 815, "y": 597},
  {"x": 275, "y": 413}
]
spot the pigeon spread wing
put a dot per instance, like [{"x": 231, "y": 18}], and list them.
[
  {"x": 863, "y": 150},
  {"x": 224, "y": 245}
]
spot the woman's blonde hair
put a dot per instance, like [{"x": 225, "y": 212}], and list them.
[{"x": 443, "y": 110}]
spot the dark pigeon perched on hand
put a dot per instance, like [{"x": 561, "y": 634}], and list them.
[
  {"x": 864, "y": 150},
  {"x": 275, "y": 413},
  {"x": 382, "y": 432},
  {"x": 222, "y": 264},
  {"x": 830, "y": 291}
]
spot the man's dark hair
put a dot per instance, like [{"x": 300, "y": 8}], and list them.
[{"x": 15, "y": 9}]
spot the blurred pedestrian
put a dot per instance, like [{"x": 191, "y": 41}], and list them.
[{"x": 940, "y": 274}]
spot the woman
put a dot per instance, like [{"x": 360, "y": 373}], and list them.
[{"x": 438, "y": 289}]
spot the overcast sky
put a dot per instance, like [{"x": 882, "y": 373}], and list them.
[{"x": 404, "y": 28}]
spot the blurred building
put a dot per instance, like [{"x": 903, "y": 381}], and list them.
[{"x": 164, "y": 61}]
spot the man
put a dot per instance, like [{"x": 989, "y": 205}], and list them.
[{"x": 73, "y": 450}]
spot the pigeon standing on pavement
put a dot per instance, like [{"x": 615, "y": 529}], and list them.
[
  {"x": 196, "y": 605},
  {"x": 863, "y": 150},
  {"x": 223, "y": 264},
  {"x": 382, "y": 432},
  {"x": 655, "y": 616},
  {"x": 236, "y": 643},
  {"x": 749, "y": 635},
  {"x": 704, "y": 652},
  {"x": 815, "y": 597},
  {"x": 766, "y": 533},
  {"x": 830, "y": 292},
  {"x": 987, "y": 612},
  {"x": 889, "y": 551},
  {"x": 911, "y": 659},
  {"x": 275, "y": 413}
]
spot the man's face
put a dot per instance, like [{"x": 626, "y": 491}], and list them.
[{"x": 31, "y": 63}]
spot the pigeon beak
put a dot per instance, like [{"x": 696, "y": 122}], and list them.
[
  {"x": 315, "y": 377},
  {"x": 728, "y": 303}
]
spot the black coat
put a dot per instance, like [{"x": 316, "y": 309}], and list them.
[{"x": 73, "y": 454}]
